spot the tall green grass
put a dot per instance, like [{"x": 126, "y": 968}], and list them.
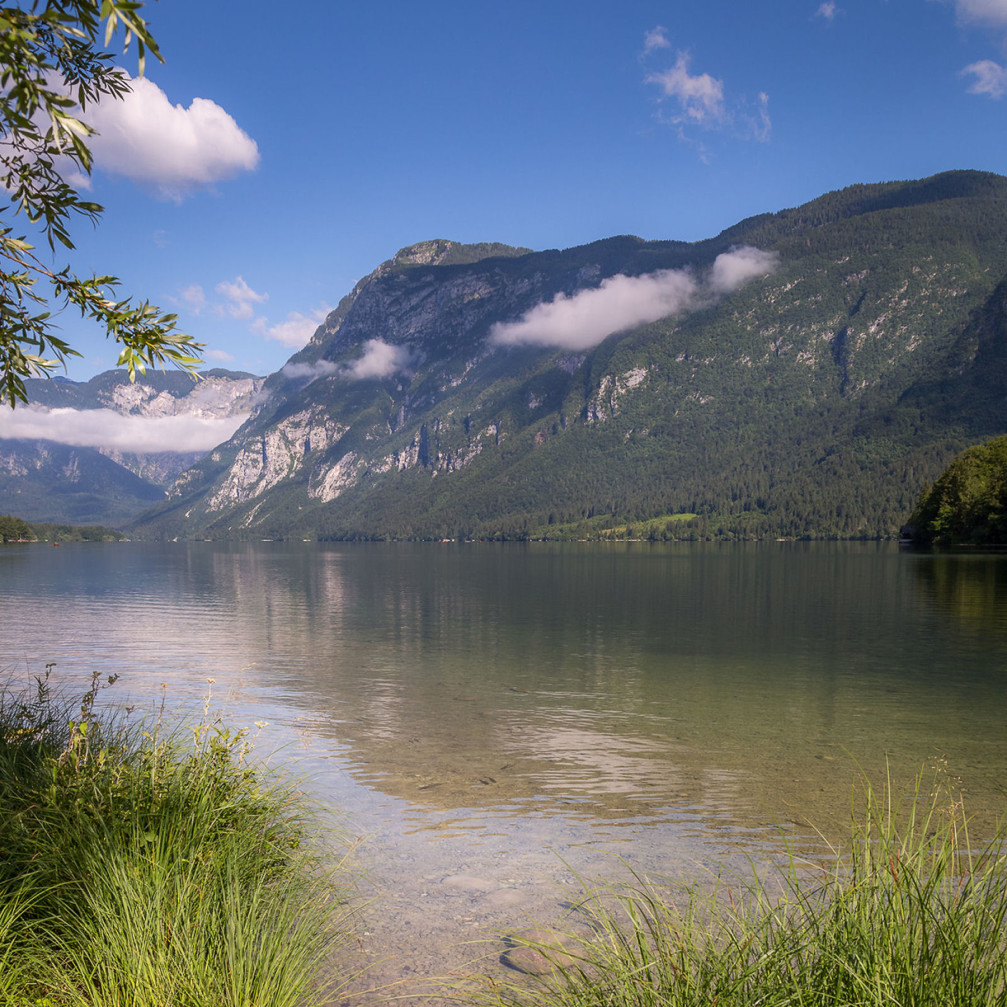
[
  {"x": 140, "y": 867},
  {"x": 909, "y": 915}
]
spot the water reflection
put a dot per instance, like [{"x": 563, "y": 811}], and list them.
[
  {"x": 603, "y": 683},
  {"x": 967, "y": 590}
]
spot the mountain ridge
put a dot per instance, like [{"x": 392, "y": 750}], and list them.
[{"x": 805, "y": 402}]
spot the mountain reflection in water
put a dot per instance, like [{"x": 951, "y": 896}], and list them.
[{"x": 609, "y": 681}]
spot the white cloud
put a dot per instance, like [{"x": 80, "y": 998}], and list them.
[
  {"x": 990, "y": 78},
  {"x": 194, "y": 298},
  {"x": 589, "y": 316},
  {"x": 221, "y": 356},
  {"x": 827, "y": 10},
  {"x": 624, "y": 302},
  {"x": 298, "y": 328},
  {"x": 733, "y": 269},
  {"x": 147, "y": 139},
  {"x": 380, "y": 360},
  {"x": 762, "y": 125},
  {"x": 656, "y": 38},
  {"x": 105, "y": 428},
  {"x": 693, "y": 102},
  {"x": 700, "y": 98},
  {"x": 240, "y": 298},
  {"x": 986, "y": 12},
  {"x": 319, "y": 369}
]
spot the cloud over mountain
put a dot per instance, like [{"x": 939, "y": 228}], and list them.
[
  {"x": 621, "y": 302},
  {"x": 106, "y": 428},
  {"x": 379, "y": 360}
]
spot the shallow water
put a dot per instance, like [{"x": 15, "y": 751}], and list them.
[{"x": 498, "y": 720}]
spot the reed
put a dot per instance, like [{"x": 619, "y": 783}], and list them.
[
  {"x": 909, "y": 914},
  {"x": 141, "y": 867}
]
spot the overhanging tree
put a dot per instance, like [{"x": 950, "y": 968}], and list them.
[{"x": 54, "y": 63}]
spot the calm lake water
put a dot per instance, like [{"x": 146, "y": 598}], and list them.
[{"x": 496, "y": 719}]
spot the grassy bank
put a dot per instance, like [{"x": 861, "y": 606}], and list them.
[
  {"x": 143, "y": 868},
  {"x": 149, "y": 869},
  {"x": 911, "y": 915}
]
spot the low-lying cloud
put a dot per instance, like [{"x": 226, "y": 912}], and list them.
[
  {"x": 621, "y": 302},
  {"x": 109, "y": 430},
  {"x": 379, "y": 360},
  {"x": 732, "y": 270},
  {"x": 311, "y": 372}
]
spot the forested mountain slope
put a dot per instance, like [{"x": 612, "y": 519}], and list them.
[{"x": 816, "y": 368}]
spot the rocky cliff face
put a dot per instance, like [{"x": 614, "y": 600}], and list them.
[
  {"x": 218, "y": 395},
  {"x": 429, "y": 404},
  {"x": 400, "y": 377}
]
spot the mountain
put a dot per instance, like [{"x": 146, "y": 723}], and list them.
[
  {"x": 803, "y": 373},
  {"x": 68, "y": 457}
]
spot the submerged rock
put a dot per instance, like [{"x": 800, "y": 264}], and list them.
[
  {"x": 469, "y": 883},
  {"x": 541, "y": 951},
  {"x": 504, "y": 897}
]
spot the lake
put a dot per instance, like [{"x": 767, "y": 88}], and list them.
[{"x": 498, "y": 721}]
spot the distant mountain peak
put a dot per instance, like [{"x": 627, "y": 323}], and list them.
[
  {"x": 423, "y": 253},
  {"x": 68, "y": 457},
  {"x": 442, "y": 252},
  {"x": 435, "y": 252}
]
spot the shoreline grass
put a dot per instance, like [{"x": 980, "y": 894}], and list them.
[
  {"x": 908, "y": 914},
  {"x": 140, "y": 867}
]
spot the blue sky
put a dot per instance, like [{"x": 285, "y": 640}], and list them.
[{"x": 285, "y": 152}]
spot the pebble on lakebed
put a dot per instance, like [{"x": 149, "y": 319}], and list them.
[{"x": 541, "y": 951}]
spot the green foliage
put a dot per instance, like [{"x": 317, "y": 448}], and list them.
[
  {"x": 968, "y": 502},
  {"x": 53, "y": 64},
  {"x": 75, "y": 533},
  {"x": 144, "y": 868},
  {"x": 13, "y": 529},
  {"x": 912, "y": 913}
]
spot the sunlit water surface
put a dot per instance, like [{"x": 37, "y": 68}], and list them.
[{"x": 499, "y": 721}]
